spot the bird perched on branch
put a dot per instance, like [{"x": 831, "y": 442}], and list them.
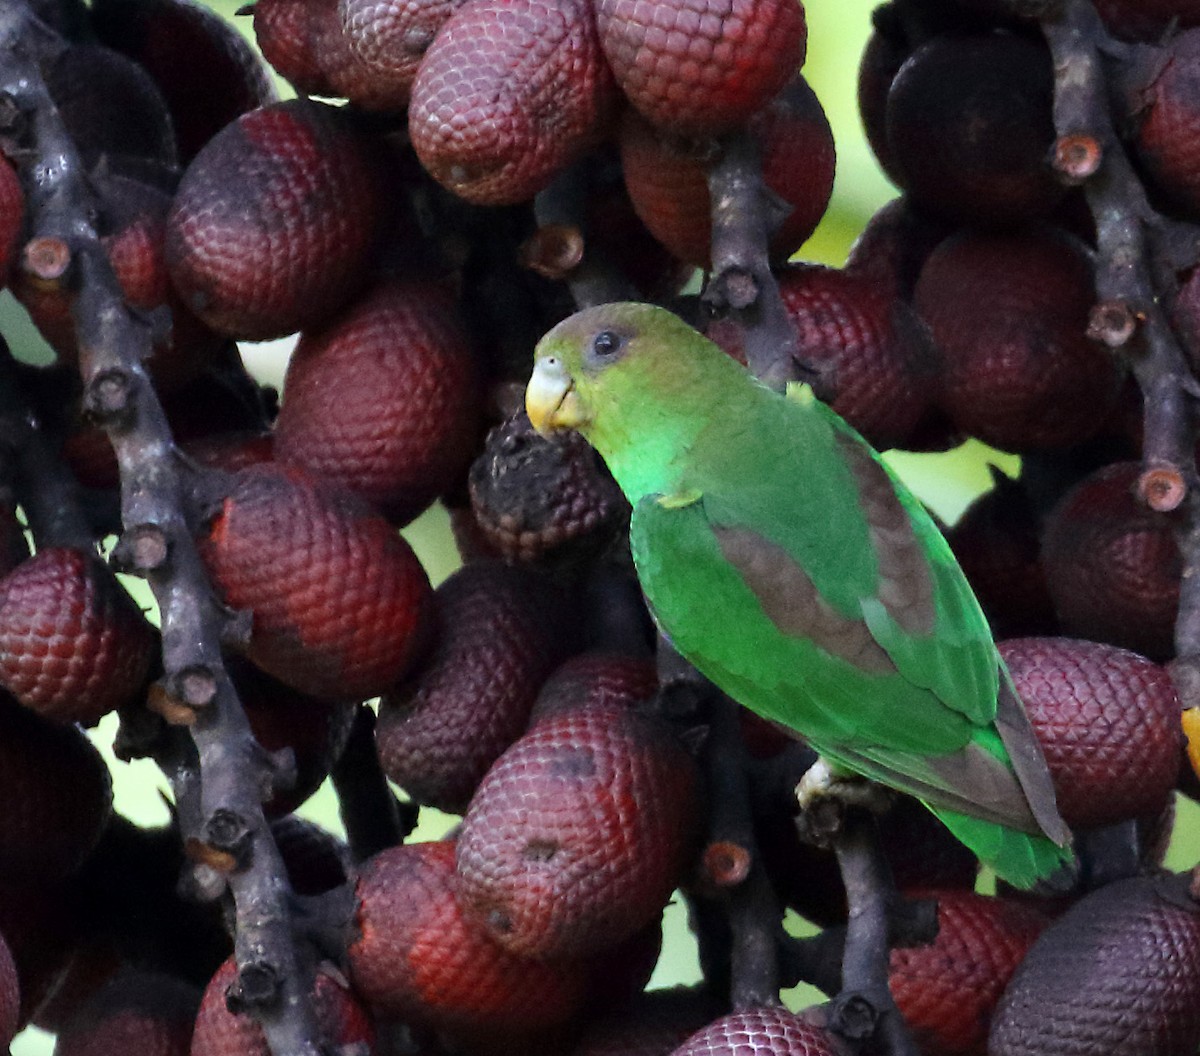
[{"x": 782, "y": 559}]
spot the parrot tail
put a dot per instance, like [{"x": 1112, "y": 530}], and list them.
[{"x": 1020, "y": 858}]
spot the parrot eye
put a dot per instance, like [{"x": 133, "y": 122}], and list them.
[{"x": 605, "y": 344}]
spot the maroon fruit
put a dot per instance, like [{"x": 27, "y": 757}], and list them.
[
  {"x": 12, "y": 218},
  {"x": 766, "y": 1031},
  {"x": 1009, "y": 313},
  {"x": 1108, "y": 723},
  {"x": 385, "y": 399},
  {"x": 339, "y": 599},
  {"x": 666, "y": 175},
  {"x": 225, "y": 1028},
  {"x": 10, "y": 995},
  {"x": 283, "y": 29},
  {"x": 507, "y": 95},
  {"x": 274, "y": 221},
  {"x": 137, "y": 1012},
  {"x": 969, "y": 129},
  {"x": 500, "y": 634},
  {"x": 698, "y": 66},
  {"x": 655, "y": 1023},
  {"x": 1147, "y": 20},
  {"x": 596, "y": 680},
  {"x": 1113, "y": 565},
  {"x": 947, "y": 990},
  {"x": 579, "y": 833},
  {"x": 1118, "y": 973},
  {"x": 886, "y": 50},
  {"x": 315, "y": 859},
  {"x": 416, "y": 957},
  {"x": 73, "y": 645},
  {"x": 892, "y": 249}
]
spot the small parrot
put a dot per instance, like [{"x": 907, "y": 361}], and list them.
[{"x": 783, "y": 559}]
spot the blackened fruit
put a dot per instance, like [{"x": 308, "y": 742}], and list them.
[
  {"x": 1108, "y": 723},
  {"x": 385, "y": 399},
  {"x": 137, "y": 1012},
  {"x": 73, "y": 645},
  {"x": 274, "y": 221},
  {"x": 969, "y": 129},
  {"x": 221, "y": 1031},
  {"x": 763, "y": 1031},
  {"x": 1009, "y": 314},
  {"x": 596, "y": 679},
  {"x": 947, "y": 990},
  {"x": 57, "y": 794},
  {"x": 501, "y": 631},
  {"x": 1113, "y": 565},
  {"x": 315, "y": 859},
  {"x": 417, "y": 958},
  {"x": 886, "y": 50},
  {"x": 544, "y": 499},
  {"x": 338, "y": 597},
  {"x": 1118, "y": 973},
  {"x": 207, "y": 72},
  {"x": 579, "y": 833},
  {"x": 701, "y": 67},
  {"x": 10, "y": 995},
  {"x": 508, "y": 94},
  {"x": 1167, "y": 123},
  {"x": 666, "y": 174}
]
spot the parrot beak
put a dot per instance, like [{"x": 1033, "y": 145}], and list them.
[{"x": 551, "y": 400}]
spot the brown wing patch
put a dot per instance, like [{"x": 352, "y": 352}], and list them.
[
  {"x": 905, "y": 585},
  {"x": 792, "y": 602}
]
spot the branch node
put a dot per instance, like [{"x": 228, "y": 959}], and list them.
[
  {"x": 163, "y": 701},
  {"x": 142, "y": 549},
  {"x": 1077, "y": 157},
  {"x": 735, "y": 289},
  {"x": 853, "y": 1016},
  {"x": 257, "y": 987},
  {"x": 228, "y": 833},
  {"x": 552, "y": 251},
  {"x": 236, "y": 627},
  {"x": 1112, "y": 322},
  {"x": 12, "y": 117},
  {"x": 109, "y": 398},
  {"x": 1162, "y": 487},
  {"x": 46, "y": 259},
  {"x": 212, "y": 864},
  {"x": 726, "y": 863}
]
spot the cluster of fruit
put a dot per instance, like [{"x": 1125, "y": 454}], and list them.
[{"x": 390, "y": 233}]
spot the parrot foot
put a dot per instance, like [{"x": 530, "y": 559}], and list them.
[{"x": 826, "y": 792}]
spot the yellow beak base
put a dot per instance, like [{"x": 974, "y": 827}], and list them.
[{"x": 551, "y": 400}]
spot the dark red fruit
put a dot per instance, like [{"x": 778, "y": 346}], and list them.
[
  {"x": 539, "y": 499},
  {"x": 1113, "y": 565},
  {"x": 315, "y": 859},
  {"x": 390, "y": 37},
  {"x": 893, "y": 247},
  {"x": 57, "y": 794},
  {"x": 1147, "y": 20},
  {"x": 969, "y": 129},
  {"x": 698, "y": 66},
  {"x": 338, "y": 597},
  {"x": 274, "y": 222},
  {"x": 1167, "y": 121},
  {"x": 508, "y": 94},
  {"x": 10, "y": 995},
  {"x": 997, "y": 541},
  {"x": 207, "y": 72},
  {"x": 596, "y": 680},
  {"x": 656, "y": 1023},
  {"x": 764, "y": 1031},
  {"x": 283, "y": 29},
  {"x": 224, "y": 1028},
  {"x": 501, "y": 632},
  {"x": 231, "y": 451},
  {"x": 947, "y": 991},
  {"x": 579, "y": 833},
  {"x": 1009, "y": 313},
  {"x": 417, "y": 958},
  {"x": 666, "y": 175},
  {"x": 886, "y": 50},
  {"x": 138, "y": 1012},
  {"x": 73, "y": 645},
  {"x": 12, "y": 218},
  {"x": 385, "y": 399},
  {"x": 1108, "y": 723},
  {"x": 1118, "y": 973}
]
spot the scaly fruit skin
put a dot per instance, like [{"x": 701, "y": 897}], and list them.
[
  {"x": 10, "y": 995},
  {"x": 1167, "y": 123},
  {"x": 341, "y": 1019},
  {"x": 579, "y": 833},
  {"x": 1009, "y": 314},
  {"x": 385, "y": 399},
  {"x": 340, "y": 602},
  {"x": 892, "y": 249},
  {"x": 1108, "y": 723},
  {"x": 417, "y": 958},
  {"x": 137, "y": 1012},
  {"x": 57, "y": 794},
  {"x": 969, "y": 129},
  {"x": 947, "y": 990},
  {"x": 667, "y": 183},
  {"x": 595, "y": 679},
  {"x": 763, "y": 1031},
  {"x": 508, "y": 94},
  {"x": 283, "y": 31},
  {"x": 701, "y": 67},
  {"x": 1118, "y": 973},
  {"x": 274, "y": 221},
  {"x": 501, "y": 631},
  {"x": 1113, "y": 565},
  {"x": 655, "y": 1023},
  {"x": 73, "y": 645}
]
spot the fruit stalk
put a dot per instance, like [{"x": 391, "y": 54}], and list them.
[{"x": 157, "y": 494}]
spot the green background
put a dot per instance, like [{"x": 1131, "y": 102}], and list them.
[{"x": 837, "y": 32}]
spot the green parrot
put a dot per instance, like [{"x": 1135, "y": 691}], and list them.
[{"x": 783, "y": 559}]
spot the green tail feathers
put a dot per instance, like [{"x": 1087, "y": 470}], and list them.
[{"x": 1020, "y": 858}]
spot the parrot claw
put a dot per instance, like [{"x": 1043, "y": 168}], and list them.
[{"x": 826, "y": 791}]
